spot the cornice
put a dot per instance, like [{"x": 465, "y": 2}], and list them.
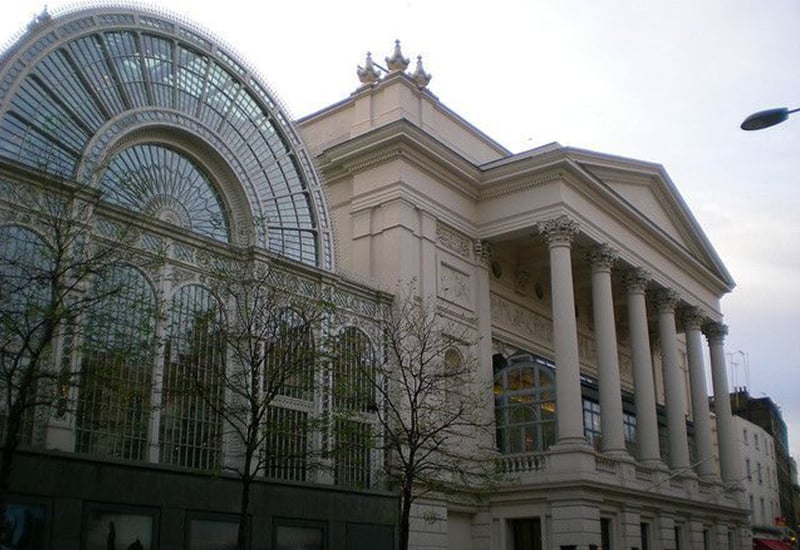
[{"x": 400, "y": 139}]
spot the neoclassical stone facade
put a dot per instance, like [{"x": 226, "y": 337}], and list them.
[{"x": 596, "y": 296}]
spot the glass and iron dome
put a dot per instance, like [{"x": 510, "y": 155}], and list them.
[{"x": 74, "y": 87}]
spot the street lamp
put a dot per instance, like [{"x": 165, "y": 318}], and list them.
[{"x": 765, "y": 119}]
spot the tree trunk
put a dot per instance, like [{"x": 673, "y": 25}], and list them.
[
  {"x": 242, "y": 542},
  {"x": 405, "y": 516}
]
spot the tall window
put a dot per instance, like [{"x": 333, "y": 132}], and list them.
[
  {"x": 25, "y": 281},
  {"x": 525, "y": 404},
  {"x": 289, "y": 362},
  {"x": 194, "y": 357},
  {"x": 116, "y": 370},
  {"x": 353, "y": 375}
]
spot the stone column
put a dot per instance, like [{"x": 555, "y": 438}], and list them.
[
  {"x": 692, "y": 321},
  {"x": 674, "y": 396},
  {"x": 729, "y": 456},
  {"x": 642, "y": 358},
  {"x": 601, "y": 258},
  {"x": 559, "y": 233}
]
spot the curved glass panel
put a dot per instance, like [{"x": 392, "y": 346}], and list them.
[
  {"x": 525, "y": 406},
  {"x": 191, "y": 427},
  {"x": 164, "y": 184},
  {"x": 117, "y": 366},
  {"x": 68, "y": 95}
]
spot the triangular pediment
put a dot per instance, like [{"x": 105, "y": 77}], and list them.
[{"x": 646, "y": 192}]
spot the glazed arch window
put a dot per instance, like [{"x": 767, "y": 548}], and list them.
[{"x": 160, "y": 182}]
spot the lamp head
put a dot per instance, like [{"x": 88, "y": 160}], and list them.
[{"x": 765, "y": 119}]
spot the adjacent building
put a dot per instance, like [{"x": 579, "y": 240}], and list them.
[{"x": 592, "y": 292}]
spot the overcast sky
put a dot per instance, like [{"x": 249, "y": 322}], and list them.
[{"x": 666, "y": 81}]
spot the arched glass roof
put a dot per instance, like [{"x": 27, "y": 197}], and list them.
[{"x": 70, "y": 87}]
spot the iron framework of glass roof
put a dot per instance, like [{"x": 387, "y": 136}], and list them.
[{"x": 72, "y": 87}]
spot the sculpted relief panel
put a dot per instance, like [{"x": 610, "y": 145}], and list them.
[{"x": 455, "y": 286}]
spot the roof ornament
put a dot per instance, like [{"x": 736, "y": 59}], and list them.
[
  {"x": 419, "y": 75},
  {"x": 40, "y": 19},
  {"x": 368, "y": 74},
  {"x": 397, "y": 62}
]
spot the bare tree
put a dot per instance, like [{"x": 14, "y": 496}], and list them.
[
  {"x": 264, "y": 356},
  {"x": 51, "y": 250},
  {"x": 430, "y": 408}
]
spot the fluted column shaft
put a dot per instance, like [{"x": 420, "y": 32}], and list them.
[
  {"x": 692, "y": 321},
  {"x": 641, "y": 356},
  {"x": 729, "y": 456},
  {"x": 601, "y": 258},
  {"x": 559, "y": 234},
  {"x": 674, "y": 396}
]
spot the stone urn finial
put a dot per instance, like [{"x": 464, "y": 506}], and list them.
[
  {"x": 368, "y": 74},
  {"x": 397, "y": 62},
  {"x": 419, "y": 75}
]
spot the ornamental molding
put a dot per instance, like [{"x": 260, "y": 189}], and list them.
[
  {"x": 483, "y": 252},
  {"x": 530, "y": 182}
]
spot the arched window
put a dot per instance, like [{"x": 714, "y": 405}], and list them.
[
  {"x": 194, "y": 360},
  {"x": 353, "y": 390},
  {"x": 525, "y": 404},
  {"x": 117, "y": 366},
  {"x": 162, "y": 183}
]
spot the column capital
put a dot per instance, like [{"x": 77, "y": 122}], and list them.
[
  {"x": 558, "y": 231},
  {"x": 636, "y": 280},
  {"x": 693, "y": 317},
  {"x": 666, "y": 300},
  {"x": 483, "y": 251},
  {"x": 601, "y": 257},
  {"x": 715, "y": 332}
]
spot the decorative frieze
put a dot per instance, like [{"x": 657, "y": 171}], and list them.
[
  {"x": 454, "y": 241},
  {"x": 521, "y": 321}
]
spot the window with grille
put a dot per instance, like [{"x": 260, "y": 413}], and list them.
[
  {"x": 354, "y": 397},
  {"x": 194, "y": 361},
  {"x": 352, "y": 467},
  {"x": 287, "y": 444},
  {"x": 117, "y": 366},
  {"x": 290, "y": 357},
  {"x": 353, "y": 374}
]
